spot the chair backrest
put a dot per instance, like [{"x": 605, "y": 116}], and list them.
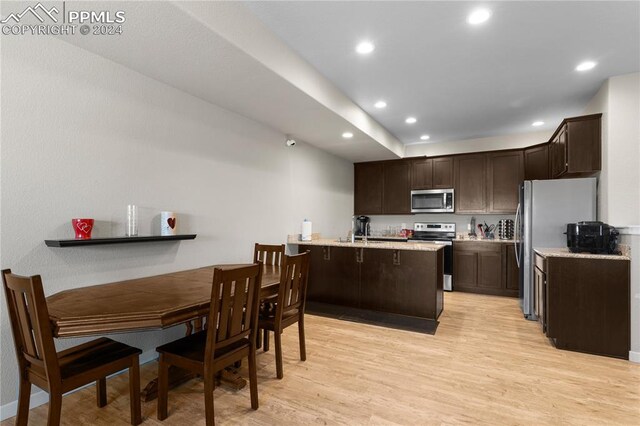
[
  {"x": 294, "y": 275},
  {"x": 30, "y": 324},
  {"x": 268, "y": 254},
  {"x": 233, "y": 313}
]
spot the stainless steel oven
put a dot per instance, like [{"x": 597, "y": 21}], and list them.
[{"x": 432, "y": 201}]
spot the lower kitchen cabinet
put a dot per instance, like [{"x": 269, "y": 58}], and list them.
[
  {"x": 585, "y": 303},
  {"x": 390, "y": 282},
  {"x": 406, "y": 282},
  {"x": 334, "y": 279},
  {"x": 490, "y": 268},
  {"x": 512, "y": 269},
  {"x": 540, "y": 292},
  {"x": 484, "y": 267},
  {"x": 465, "y": 268}
]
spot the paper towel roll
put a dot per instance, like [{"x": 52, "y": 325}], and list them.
[{"x": 306, "y": 230}]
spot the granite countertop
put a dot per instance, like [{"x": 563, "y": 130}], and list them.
[
  {"x": 388, "y": 245},
  {"x": 564, "y": 252}
]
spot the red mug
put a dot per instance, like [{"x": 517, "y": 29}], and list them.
[{"x": 82, "y": 228}]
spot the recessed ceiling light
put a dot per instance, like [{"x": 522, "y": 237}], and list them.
[
  {"x": 478, "y": 16},
  {"x": 380, "y": 104},
  {"x": 410, "y": 120},
  {"x": 347, "y": 135},
  {"x": 537, "y": 123},
  {"x": 585, "y": 66},
  {"x": 424, "y": 137},
  {"x": 365, "y": 47}
]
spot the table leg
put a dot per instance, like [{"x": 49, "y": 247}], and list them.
[{"x": 177, "y": 376}]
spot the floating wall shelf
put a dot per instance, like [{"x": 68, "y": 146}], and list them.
[{"x": 117, "y": 240}]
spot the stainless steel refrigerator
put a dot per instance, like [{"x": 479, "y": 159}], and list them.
[{"x": 545, "y": 207}]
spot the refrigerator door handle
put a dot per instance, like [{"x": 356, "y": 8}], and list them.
[{"x": 517, "y": 236}]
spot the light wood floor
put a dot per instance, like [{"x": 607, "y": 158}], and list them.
[{"x": 485, "y": 365}]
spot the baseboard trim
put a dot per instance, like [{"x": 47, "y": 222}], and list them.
[
  {"x": 634, "y": 356},
  {"x": 41, "y": 397}
]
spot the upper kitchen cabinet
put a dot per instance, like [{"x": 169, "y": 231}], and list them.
[
  {"x": 575, "y": 147},
  {"x": 536, "y": 162},
  {"x": 368, "y": 184},
  {"x": 443, "y": 172},
  {"x": 470, "y": 173},
  {"x": 396, "y": 188},
  {"x": 505, "y": 171},
  {"x": 422, "y": 173},
  {"x": 558, "y": 152},
  {"x": 432, "y": 173}
]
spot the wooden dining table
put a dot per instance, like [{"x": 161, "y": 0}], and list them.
[{"x": 147, "y": 303}]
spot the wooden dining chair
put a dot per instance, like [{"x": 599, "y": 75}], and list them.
[
  {"x": 268, "y": 254},
  {"x": 289, "y": 307},
  {"x": 230, "y": 336},
  {"x": 61, "y": 372}
]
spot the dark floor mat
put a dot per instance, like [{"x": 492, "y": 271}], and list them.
[{"x": 382, "y": 319}]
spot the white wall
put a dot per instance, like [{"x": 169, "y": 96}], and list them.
[
  {"x": 619, "y": 101},
  {"x": 600, "y": 104},
  {"x": 521, "y": 140},
  {"x": 83, "y": 136}
]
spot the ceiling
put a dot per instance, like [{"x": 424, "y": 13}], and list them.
[
  {"x": 177, "y": 44},
  {"x": 462, "y": 81}
]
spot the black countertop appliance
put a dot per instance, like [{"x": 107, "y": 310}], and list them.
[
  {"x": 592, "y": 237},
  {"x": 362, "y": 226}
]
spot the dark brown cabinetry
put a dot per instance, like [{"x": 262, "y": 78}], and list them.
[
  {"x": 540, "y": 292},
  {"x": 490, "y": 268},
  {"x": 368, "y": 188},
  {"x": 485, "y": 182},
  {"x": 505, "y": 171},
  {"x": 512, "y": 270},
  {"x": 470, "y": 183},
  {"x": 485, "y": 267},
  {"x": 443, "y": 173},
  {"x": 536, "y": 162},
  {"x": 382, "y": 187},
  {"x": 396, "y": 187},
  {"x": 585, "y": 303},
  {"x": 575, "y": 147},
  {"x": 432, "y": 173},
  {"x": 385, "y": 275},
  {"x": 558, "y": 152},
  {"x": 334, "y": 268},
  {"x": 422, "y": 174},
  {"x": 465, "y": 268},
  {"x": 406, "y": 282}
]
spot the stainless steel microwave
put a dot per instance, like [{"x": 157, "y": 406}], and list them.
[{"x": 432, "y": 201}]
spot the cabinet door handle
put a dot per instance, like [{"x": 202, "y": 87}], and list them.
[
  {"x": 326, "y": 253},
  {"x": 359, "y": 255},
  {"x": 396, "y": 257}
]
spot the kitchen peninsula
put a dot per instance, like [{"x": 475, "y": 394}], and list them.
[{"x": 388, "y": 277}]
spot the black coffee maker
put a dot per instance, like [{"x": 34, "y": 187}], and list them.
[{"x": 362, "y": 226}]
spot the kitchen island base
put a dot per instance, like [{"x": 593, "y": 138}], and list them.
[{"x": 379, "y": 279}]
